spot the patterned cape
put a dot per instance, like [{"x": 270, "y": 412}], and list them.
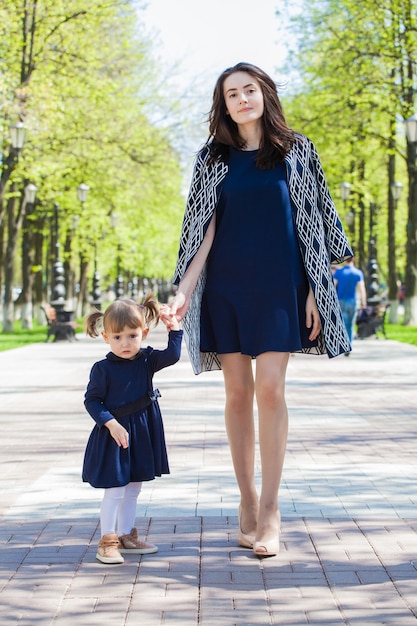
[{"x": 320, "y": 235}]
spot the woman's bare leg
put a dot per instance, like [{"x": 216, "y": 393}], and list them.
[
  {"x": 273, "y": 431},
  {"x": 239, "y": 419}
]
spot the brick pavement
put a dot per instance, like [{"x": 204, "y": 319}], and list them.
[{"x": 348, "y": 499}]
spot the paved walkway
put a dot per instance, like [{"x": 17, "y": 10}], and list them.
[{"x": 348, "y": 499}]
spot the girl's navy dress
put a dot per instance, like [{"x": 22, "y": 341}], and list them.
[
  {"x": 256, "y": 289},
  {"x": 116, "y": 382}
]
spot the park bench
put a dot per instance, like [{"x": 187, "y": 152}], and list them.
[
  {"x": 61, "y": 325},
  {"x": 371, "y": 320}
]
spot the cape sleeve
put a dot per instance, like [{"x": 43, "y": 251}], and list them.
[
  {"x": 202, "y": 198},
  {"x": 336, "y": 240}
]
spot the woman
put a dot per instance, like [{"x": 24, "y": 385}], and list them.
[{"x": 254, "y": 278}]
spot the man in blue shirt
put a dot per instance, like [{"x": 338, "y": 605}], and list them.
[{"x": 350, "y": 285}]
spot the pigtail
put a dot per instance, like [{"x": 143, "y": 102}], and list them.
[
  {"x": 151, "y": 310},
  {"x": 92, "y": 323},
  {"x": 124, "y": 312}
]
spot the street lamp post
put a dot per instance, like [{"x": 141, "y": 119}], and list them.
[
  {"x": 96, "y": 291},
  {"x": 9, "y": 162},
  {"x": 58, "y": 272},
  {"x": 82, "y": 296},
  {"x": 63, "y": 329},
  {"x": 28, "y": 258},
  {"x": 119, "y": 285},
  {"x": 119, "y": 278},
  {"x": 82, "y": 192},
  {"x": 373, "y": 279},
  {"x": 134, "y": 292},
  {"x": 410, "y": 303}
]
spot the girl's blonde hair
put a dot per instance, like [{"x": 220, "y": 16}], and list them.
[{"x": 124, "y": 312}]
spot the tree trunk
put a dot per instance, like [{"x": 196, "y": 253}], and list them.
[
  {"x": 410, "y": 311},
  {"x": 360, "y": 245},
  {"x": 1, "y": 263},
  {"x": 8, "y": 308},
  {"x": 16, "y": 207},
  {"x": 410, "y": 308},
  {"x": 69, "y": 271},
  {"x": 83, "y": 292},
  {"x": 27, "y": 275},
  {"x": 392, "y": 262},
  {"x": 38, "y": 295},
  {"x": 393, "y": 311}
]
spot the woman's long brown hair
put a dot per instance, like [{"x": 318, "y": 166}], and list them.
[{"x": 277, "y": 139}]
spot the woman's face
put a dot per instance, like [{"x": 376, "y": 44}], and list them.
[{"x": 243, "y": 98}]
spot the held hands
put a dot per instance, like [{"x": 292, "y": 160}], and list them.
[
  {"x": 169, "y": 319},
  {"x": 119, "y": 434},
  {"x": 312, "y": 316},
  {"x": 179, "y": 305}
]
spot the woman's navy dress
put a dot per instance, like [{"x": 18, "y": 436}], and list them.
[
  {"x": 255, "y": 294},
  {"x": 116, "y": 382}
]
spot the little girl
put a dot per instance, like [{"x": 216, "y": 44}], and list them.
[{"x": 127, "y": 443}]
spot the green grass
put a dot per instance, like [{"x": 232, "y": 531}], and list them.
[
  {"x": 19, "y": 337},
  {"x": 22, "y": 337},
  {"x": 405, "y": 334}
]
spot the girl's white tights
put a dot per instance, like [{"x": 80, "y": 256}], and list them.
[{"x": 118, "y": 509}]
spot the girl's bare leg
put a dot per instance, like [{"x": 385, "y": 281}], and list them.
[
  {"x": 239, "y": 419},
  {"x": 273, "y": 431}
]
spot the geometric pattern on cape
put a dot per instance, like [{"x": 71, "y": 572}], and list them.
[{"x": 320, "y": 234}]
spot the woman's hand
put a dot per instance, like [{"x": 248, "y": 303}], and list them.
[
  {"x": 312, "y": 316},
  {"x": 182, "y": 299},
  {"x": 179, "y": 305},
  {"x": 118, "y": 432}
]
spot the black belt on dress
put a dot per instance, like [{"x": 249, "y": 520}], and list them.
[{"x": 138, "y": 405}]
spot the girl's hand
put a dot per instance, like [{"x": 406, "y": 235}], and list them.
[
  {"x": 312, "y": 316},
  {"x": 118, "y": 432},
  {"x": 168, "y": 318}
]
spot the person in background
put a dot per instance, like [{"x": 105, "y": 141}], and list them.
[
  {"x": 350, "y": 286},
  {"x": 401, "y": 292},
  {"x": 259, "y": 234},
  {"x": 127, "y": 443}
]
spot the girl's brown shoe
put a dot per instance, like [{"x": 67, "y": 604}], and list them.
[
  {"x": 131, "y": 543},
  {"x": 107, "y": 551}
]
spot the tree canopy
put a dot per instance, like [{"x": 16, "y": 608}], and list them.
[
  {"x": 82, "y": 79},
  {"x": 356, "y": 84}
]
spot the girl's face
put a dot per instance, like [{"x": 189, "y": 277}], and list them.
[
  {"x": 126, "y": 344},
  {"x": 243, "y": 98}
]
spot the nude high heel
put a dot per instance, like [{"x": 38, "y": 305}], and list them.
[
  {"x": 244, "y": 540},
  {"x": 263, "y": 549}
]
